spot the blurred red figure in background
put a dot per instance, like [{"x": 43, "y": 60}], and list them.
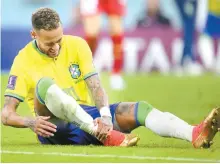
[{"x": 91, "y": 11}]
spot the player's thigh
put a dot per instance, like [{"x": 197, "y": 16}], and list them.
[
  {"x": 115, "y": 24},
  {"x": 115, "y": 11},
  {"x": 92, "y": 24},
  {"x": 69, "y": 134},
  {"x": 125, "y": 116},
  {"x": 91, "y": 17},
  {"x": 40, "y": 109}
]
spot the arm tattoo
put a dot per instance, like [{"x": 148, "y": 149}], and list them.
[
  {"x": 5, "y": 119},
  {"x": 11, "y": 118},
  {"x": 9, "y": 102},
  {"x": 97, "y": 91},
  {"x": 125, "y": 109},
  {"x": 30, "y": 123}
]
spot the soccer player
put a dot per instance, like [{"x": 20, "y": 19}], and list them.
[
  {"x": 188, "y": 63},
  {"x": 68, "y": 61},
  {"x": 55, "y": 73},
  {"x": 91, "y": 11},
  {"x": 212, "y": 32}
]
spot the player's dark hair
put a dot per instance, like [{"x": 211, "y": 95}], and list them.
[{"x": 46, "y": 19}]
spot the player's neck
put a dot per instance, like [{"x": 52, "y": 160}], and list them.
[
  {"x": 35, "y": 42},
  {"x": 42, "y": 52}
]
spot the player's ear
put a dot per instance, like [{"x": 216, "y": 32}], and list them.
[{"x": 33, "y": 34}]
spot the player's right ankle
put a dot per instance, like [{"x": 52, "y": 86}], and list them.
[{"x": 115, "y": 138}]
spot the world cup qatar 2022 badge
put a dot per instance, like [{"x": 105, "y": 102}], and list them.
[
  {"x": 74, "y": 71},
  {"x": 12, "y": 82}
]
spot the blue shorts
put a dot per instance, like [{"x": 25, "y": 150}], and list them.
[
  {"x": 69, "y": 134},
  {"x": 212, "y": 26}
]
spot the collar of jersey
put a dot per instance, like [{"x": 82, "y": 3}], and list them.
[{"x": 34, "y": 43}]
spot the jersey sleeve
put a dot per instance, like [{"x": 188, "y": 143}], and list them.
[
  {"x": 17, "y": 85},
  {"x": 85, "y": 60}
]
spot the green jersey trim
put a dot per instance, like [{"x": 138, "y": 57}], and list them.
[
  {"x": 89, "y": 75},
  {"x": 20, "y": 98}
]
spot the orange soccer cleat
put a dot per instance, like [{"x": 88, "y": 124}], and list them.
[
  {"x": 204, "y": 132},
  {"x": 116, "y": 138}
]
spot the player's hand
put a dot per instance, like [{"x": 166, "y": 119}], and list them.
[
  {"x": 104, "y": 126},
  {"x": 41, "y": 126}
]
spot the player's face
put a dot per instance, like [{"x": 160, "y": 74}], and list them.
[{"x": 49, "y": 42}]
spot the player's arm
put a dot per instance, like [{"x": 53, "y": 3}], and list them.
[
  {"x": 39, "y": 125},
  {"x": 93, "y": 82},
  {"x": 11, "y": 118},
  {"x": 101, "y": 100},
  {"x": 98, "y": 93},
  {"x": 92, "y": 79},
  {"x": 16, "y": 91}
]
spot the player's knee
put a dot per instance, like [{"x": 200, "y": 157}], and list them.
[
  {"x": 41, "y": 109},
  {"x": 42, "y": 87},
  {"x": 142, "y": 110},
  {"x": 116, "y": 26},
  {"x": 143, "y": 105}
]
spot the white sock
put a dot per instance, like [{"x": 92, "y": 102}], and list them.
[
  {"x": 65, "y": 107},
  {"x": 168, "y": 125}
]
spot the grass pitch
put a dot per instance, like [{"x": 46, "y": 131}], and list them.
[{"x": 190, "y": 98}]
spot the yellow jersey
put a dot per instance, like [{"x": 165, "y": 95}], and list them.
[
  {"x": 69, "y": 70},
  {"x": 214, "y": 7}
]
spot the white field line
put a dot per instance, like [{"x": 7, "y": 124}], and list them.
[{"x": 110, "y": 156}]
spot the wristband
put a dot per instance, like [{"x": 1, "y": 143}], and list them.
[{"x": 105, "y": 111}]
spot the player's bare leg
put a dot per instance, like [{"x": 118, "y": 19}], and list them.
[
  {"x": 92, "y": 25},
  {"x": 131, "y": 115},
  {"x": 117, "y": 36},
  {"x": 52, "y": 101}
]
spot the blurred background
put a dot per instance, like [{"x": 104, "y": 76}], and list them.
[{"x": 154, "y": 34}]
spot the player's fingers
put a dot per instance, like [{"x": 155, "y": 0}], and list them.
[
  {"x": 45, "y": 117},
  {"x": 96, "y": 134},
  {"x": 48, "y": 128},
  {"x": 42, "y": 135},
  {"x": 103, "y": 137},
  {"x": 98, "y": 131},
  {"x": 106, "y": 131},
  {"x": 99, "y": 135},
  {"x": 45, "y": 133},
  {"x": 102, "y": 134},
  {"x": 97, "y": 121},
  {"x": 49, "y": 124}
]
